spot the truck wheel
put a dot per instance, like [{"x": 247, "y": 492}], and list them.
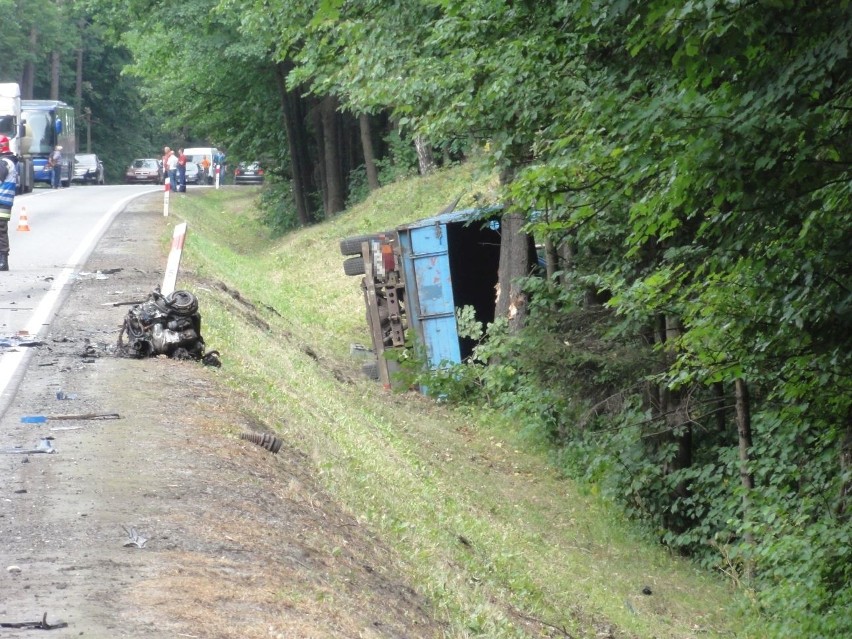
[
  {"x": 354, "y": 266},
  {"x": 352, "y": 245}
]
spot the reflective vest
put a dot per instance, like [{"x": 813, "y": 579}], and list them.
[{"x": 7, "y": 189}]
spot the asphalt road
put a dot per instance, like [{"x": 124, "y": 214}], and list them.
[
  {"x": 51, "y": 234},
  {"x": 162, "y": 522}
]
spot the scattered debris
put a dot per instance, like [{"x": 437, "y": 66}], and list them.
[
  {"x": 36, "y": 625},
  {"x": 20, "y": 340},
  {"x": 86, "y": 275},
  {"x": 134, "y": 538},
  {"x": 63, "y": 395},
  {"x": 90, "y": 351},
  {"x": 41, "y": 419},
  {"x": 268, "y": 441},
  {"x": 87, "y": 416},
  {"x": 13, "y": 570},
  {"x": 45, "y": 445},
  {"x": 647, "y": 590},
  {"x": 131, "y": 303}
]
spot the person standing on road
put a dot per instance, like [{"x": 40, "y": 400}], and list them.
[
  {"x": 205, "y": 168},
  {"x": 219, "y": 166},
  {"x": 164, "y": 163},
  {"x": 181, "y": 166},
  {"x": 8, "y": 184},
  {"x": 171, "y": 165},
  {"x": 54, "y": 162}
]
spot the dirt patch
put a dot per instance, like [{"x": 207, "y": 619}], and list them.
[{"x": 240, "y": 542}]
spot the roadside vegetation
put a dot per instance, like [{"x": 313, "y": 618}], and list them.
[{"x": 501, "y": 542}]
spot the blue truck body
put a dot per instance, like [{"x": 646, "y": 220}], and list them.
[
  {"x": 449, "y": 261},
  {"x": 418, "y": 275}
]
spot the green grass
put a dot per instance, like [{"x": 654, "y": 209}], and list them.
[{"x": 500, "y": 544}]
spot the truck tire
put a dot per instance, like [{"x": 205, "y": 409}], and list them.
[
  {"x": 352, "y": 245},
  {"x": 354, "y": 266}
]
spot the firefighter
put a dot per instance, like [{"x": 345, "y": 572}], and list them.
[{"x": 8, "y": 184}]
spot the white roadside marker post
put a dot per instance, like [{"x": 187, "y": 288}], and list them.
[
  {"x": 172, "y": 266},
  {"x": 166, "y": 197}
]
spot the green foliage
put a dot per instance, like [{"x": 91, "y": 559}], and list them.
[
  {"x": 278, "y": 212},
  {"x": 359, "y": 189},
  {"x": 400, "y": 161}
]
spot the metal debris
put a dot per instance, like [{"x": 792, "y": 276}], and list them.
[
  {"x": 45, "y": 445},
  {"x": 36, "y": 625},
  {"x": 134, "y": 538},
  {"x": 86, "y": 416},
  {"x": 41, "y": 419},
  {"x": 268, "y": 441}
]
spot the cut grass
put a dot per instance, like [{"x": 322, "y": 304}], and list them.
[{"x": 500, "y": 544}]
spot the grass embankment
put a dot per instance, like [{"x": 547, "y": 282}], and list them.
[{"x": 501, "y": 545}]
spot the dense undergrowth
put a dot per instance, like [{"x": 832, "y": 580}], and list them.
[{"x": 501, "y": 543}]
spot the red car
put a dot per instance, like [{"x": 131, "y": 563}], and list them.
[{"x": 144, "y": 171}]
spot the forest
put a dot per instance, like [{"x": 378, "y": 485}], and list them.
[{"x": 686, "y": 351}]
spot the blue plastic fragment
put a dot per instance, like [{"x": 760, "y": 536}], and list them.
[{"x": 33, "y": 419}]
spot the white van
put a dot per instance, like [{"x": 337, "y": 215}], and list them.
[{"x": 197, "y": 154}]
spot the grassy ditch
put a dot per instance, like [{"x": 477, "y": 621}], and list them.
[{"x": 500, "y": 544}]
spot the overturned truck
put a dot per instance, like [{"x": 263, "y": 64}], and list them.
[{"x": 416, "y": 276}]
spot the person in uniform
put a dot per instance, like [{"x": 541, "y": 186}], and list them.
[{"x": 8, "y": 186}]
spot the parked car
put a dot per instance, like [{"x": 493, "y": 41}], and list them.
[
  {"x": 193, "y": 173},
  {"x": 144, "y": 170},
  {"x": 248, "y": 173},
  {"x": 88, "y": 169}
]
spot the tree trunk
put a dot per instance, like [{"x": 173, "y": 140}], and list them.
[
  {"x": 424, "y": 156},
  {"x": 566, "y": 257},
  {"x": 551, "y": 258},
  {"x": 719, "y": 411},
  {"x": 297, "y": 159},
  {"x": 746, "y": 478},
  {"x": 78, "y": 84},
  {"x": 28, "y": 75},
  {"x": 335, "y": 201},
  {"x": 677, "y": 420},
  {"x": 369, "y": 154},
  {"x": 54, "y": 75},
  {"x": 318, "y": 168}
]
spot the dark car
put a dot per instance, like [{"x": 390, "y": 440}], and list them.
[
  {"x": 144, "y": 170},
  {"x": 88, "y": 169},
  {"x": 193, "y": 173},
  {"x": 248, "y": 173}
]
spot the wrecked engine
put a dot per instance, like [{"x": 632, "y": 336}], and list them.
[{"x": 165, "y": 325}]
